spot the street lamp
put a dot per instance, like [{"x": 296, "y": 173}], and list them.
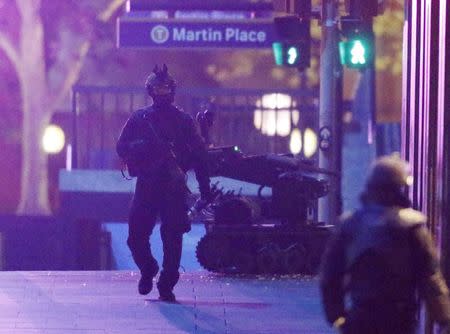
[{"x": 53, "y": 139}]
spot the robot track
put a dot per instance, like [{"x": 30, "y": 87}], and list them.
[{"x": 263, "y": 249}]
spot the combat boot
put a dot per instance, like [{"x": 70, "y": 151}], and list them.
[
  {"x": 167, "y": 296},
  {"x": 145, "y": 284}
]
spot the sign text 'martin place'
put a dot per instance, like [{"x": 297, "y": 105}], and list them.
[
  {"x": 195, "y": 34},
  {"x": 214, "y": 35}
]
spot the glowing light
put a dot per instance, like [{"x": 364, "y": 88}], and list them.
[
  {"x": 269, "y": 124},
  {"x": 69, "y": 157},
  {"x": 53, "y": 139},
  {"x": 257, "y": 119},
  {"x": 347, "y": 117},
  {"x": 310, "y": 143},
  {"x": 283, "y": 121},
  {"x": 276, "y": 100},
  {"x": 274, "y": 116},
  {"x": 295, "y": 117},
  {"x": 295, "y": 143},
  {"x": 292, "y": 55},
  {"x": 358, "y": 53}
]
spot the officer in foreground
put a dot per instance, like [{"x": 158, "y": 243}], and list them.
[
  {"x": 381, "y": 257},
  {"x": 159, "y": 144}
]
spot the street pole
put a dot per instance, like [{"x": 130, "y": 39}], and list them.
[{"x": 329, "y": 73}]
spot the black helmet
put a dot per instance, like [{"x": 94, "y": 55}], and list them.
[
  {"x": 161, "y": 86},
  {"x": 387, "y": 181}
]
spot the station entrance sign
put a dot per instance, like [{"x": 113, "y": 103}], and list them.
[{"x": 172, "y": 33}]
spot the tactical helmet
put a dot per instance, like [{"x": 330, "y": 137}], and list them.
[
  {"x": 160, "y": 85},
  {"x": 389, "y": 172}
]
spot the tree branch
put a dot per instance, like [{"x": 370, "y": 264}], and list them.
[
  {"x": 21, "y": 6},
  {"x": 71, "y": 76},
  {"x": 26, "y": 7},
  {"x": 106, "y": 14},
  {"x": 10, "y": 51},
  {"x": 75, "y": 69}
]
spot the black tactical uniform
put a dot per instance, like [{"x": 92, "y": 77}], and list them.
[
  {"x": 380, "y": 258},
  {"x": 159, "y": 144}
]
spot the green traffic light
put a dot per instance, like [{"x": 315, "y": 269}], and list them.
[
  {"x": 292, "y": 55},
  {"x": 277, "y": 48},
  {"x": 358, "y": 53}
]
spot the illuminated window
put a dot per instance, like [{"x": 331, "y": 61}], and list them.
[{"x": 274, "y": 116}]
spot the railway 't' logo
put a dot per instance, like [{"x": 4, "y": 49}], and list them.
[{"x": 159, "y": 34}]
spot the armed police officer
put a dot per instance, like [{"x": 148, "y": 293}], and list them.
[
  {"x": 380, "y": 258},
  {"x": 159, "y": 143}
]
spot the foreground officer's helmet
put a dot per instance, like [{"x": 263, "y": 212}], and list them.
[
  {"x": 389, "y": 172},
  {"x": 160, "y": 85}
]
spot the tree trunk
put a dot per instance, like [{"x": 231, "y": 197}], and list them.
[
  {"x": 37, "y": 101},
  {"x": 34, "y": 179},
  {"x": 36, "y": 116}
]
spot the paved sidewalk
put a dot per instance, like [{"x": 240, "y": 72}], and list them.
[{"x": 107, "y": 302}]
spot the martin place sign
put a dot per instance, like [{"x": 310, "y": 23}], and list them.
[{"x": 145, "y": 33}]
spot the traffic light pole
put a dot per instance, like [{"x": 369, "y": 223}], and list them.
[{"x": 330, "y": 72}]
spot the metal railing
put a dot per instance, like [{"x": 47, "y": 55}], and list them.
[{"x": 99, "y": 113}]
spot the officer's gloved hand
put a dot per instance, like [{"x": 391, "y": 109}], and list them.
[
  {"x": 205, "y": 198},
  {"x": 196, "y": 209},
  {"x": 200, "y": 204}
]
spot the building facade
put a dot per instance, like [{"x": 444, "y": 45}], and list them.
[{"x": 426, "y": 113}]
